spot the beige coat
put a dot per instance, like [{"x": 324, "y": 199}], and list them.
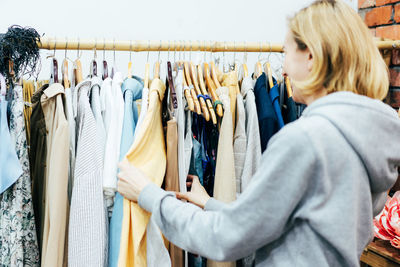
[{"x": 56, "y": 177}]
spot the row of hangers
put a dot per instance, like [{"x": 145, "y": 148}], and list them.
[{"x": 197, "y": 78}]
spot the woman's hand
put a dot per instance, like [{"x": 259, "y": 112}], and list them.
[
  {"x": 131, "y": 181},
  {"x": 197, "y": 195}
]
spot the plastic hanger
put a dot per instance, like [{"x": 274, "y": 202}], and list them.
[
  {"x": 130, "y": 61},
  {"x": 171, "y": 83},
  {"x": 64, "y": 70},
  {"x": 93, "y": 65},
  {"x": 105, "y": 66},
  {"x": 114, "y": 68}
]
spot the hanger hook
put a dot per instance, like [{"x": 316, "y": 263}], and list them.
[
  {"x": 104, "y": 48},
  {"x": 245, "y": 53},
  {"x": 114, "y": 49},
  {"x": 66, "y": 46},
  {"x": 169, "y": 46},
  {"x": 77, "y": 51},
  {"x": 270, "y": 50},
  {"x": 95, "y": 45},
  {"x": 130, "y": 50},
  {"x": 259, "y": 55},
  {"x": 159, "y": 51},
  {"x": 148, "y": 50}
]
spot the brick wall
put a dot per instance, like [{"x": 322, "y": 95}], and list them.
[{"x": 383, "y": 18}]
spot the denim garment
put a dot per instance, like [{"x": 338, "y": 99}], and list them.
[
  {"x": 10, "y": 169},
  {"x": 132, "y": 91},
  {"x": 274, "y": 96},
  {"x": 267, "y": 119}
]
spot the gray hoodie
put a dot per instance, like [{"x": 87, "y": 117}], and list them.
[{"x": 312, "y": 201}]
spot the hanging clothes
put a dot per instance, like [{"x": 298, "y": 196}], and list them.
[
  {"x": 37, "y": 162},
  {"x": 87, "y": 227},
  {"x": 287, "y": 104},
  {"x": 132, "y": 91},
  {"x": 148, "y": 154},
  {"x": 18, "y": 238},
  {"x": 69, "y": 111},
  {"x": 274, "y": 95},
  {"x": 267, "y": 119},
  {"x": 113, "y": 143},
  {"x": 239, "y": 142},
  {"x": 225, "y": 184},
  {"x": 56, "y": 176},
  {"x": 28, "y": 89},
  {"x": 11, "y": 169},
  {"x": 230, "y": 81}
]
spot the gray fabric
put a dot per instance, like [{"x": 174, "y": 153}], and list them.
[
  {"x": 312, "y": 201},
  {"x": 87, "y": 226},
  {"x": 72, "y": 150},
  {"x": 239, "y": 142},
  {"x": 253, "y": 147}
]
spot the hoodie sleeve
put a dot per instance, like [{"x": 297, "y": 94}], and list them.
[{"x": 226, "y": 232}]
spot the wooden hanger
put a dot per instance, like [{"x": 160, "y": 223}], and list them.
[
  {"x": 78, "y": 68},
  {"x": 65, "y": 73},
  {"x": 267, "y": 70},
  {"x": 211, "y": 86},
  {"x": 288, "y": 87},
  {"x": 191, "y": 88},
  {"x": 204, "y": 92},
  {"x": 157, "y": 70},
  {"x": 188, "y": 97},
  {"x": 214, "y": 75},
  {"x": 206, "y": 113}
]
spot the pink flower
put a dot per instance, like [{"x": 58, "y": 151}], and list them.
[{"x": 387, "y": 223}]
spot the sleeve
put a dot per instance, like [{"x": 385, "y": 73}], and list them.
[{"x": 259, "y": 216}]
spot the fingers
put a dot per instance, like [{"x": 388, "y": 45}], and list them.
[{"x": 180, "y": 195}]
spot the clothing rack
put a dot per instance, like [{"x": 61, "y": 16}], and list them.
[{"x": 52, "y": 43}]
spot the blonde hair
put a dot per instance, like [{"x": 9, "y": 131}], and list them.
[{"x": 345, "y": 57}]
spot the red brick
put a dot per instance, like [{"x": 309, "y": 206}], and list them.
[
  {"x": 379, "y": 16},
  {"x": 397, "y": 13},
  {"x": 393, "y": 98},
  {"x": 390, "y": 32},
  {"x": 395, "y": 57},
  {"x": 365, "y": 3},
  {"x": 385, "y": 2}
]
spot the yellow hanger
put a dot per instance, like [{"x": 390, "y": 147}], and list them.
[
  {"x": 191, "y": 88},
  {"x": 203, "y": 105},
  {"x": 211, "y": 87},
  {"x": 288, "y": 87},
  {"x": 267, "y": 70},
  {"x": 204, "y": 92}
]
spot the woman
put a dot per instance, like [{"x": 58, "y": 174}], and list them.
[{"x": 322, "y": 178}]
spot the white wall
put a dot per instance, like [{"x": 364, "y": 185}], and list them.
[{"x": 222, "y": 20}]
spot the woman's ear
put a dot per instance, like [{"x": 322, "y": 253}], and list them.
[{"x": 310, "y": 61}]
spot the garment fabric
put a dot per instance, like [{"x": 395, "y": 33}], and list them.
[
  {"x": 72, "y": 145},
  {"x": 274, "y": 95},
  {"x": 143, "y": 106},
  {"x": 239, "y": 142},
  {"x": 113, "y": 143},
  {"x": 267, "y": 119},
  {"x": 225, "y": 182},
  {"x": 18, "y": 238},
  {"x": 106, "y": 103},
  {"x": 28, "y": 89},
  {"x": 37, "y": 162},
  {"x": 253, "y": 145},
  {"x": 148, "y": 154},
  {"x": 230, "y": 81},
  {"x": 11, "y": 168},
  {"x": 275, "y": 219},
  {"x": 87, "y": 219},
  {"x": 56, "y": 176},
  {"x": 132, "y": 91}
]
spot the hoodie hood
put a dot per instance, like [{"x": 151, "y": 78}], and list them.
[{"x": 371, "y": 127}]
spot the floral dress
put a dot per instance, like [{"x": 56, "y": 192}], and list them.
[{"x": 18, "y": 240}]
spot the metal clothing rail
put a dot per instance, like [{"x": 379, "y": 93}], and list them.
[{"x": 174, "y": 45}]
